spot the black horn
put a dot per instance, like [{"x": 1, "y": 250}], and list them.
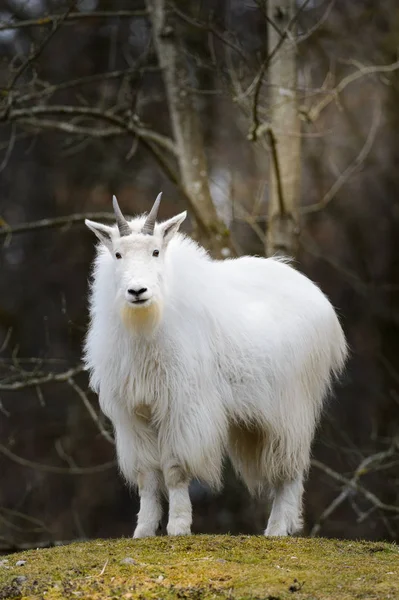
[
  {"x": 149, "y": 224},
  {"x": 123, "y": 225}
]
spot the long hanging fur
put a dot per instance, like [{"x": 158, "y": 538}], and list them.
[{"x": 238, "y": 361}]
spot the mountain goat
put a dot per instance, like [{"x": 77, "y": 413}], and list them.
[{"x": 195, "y": 359}]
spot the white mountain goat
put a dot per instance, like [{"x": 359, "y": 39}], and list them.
[{"x": 195, "y": 359}]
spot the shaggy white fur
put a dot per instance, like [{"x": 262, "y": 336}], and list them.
[{"x": 219, "y": 357}]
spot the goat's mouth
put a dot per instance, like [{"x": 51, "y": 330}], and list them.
[{"x": 139, "y": 301}]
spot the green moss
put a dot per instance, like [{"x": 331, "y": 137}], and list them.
[{"x": 209, "y": 567}]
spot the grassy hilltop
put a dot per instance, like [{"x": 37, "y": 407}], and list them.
[{"x": 206, "y": 567}]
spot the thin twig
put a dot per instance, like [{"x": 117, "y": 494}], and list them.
[
  {"x": 5, "y": 412},
  {"x": 316, "y": 26},
  {"x": 108, "y": 116},
  {"x": 35, "y": 381},
  {"x": 313, "y": 113},
  {"x": 9, "y": 150},
  {"x": 50, "y": 89},
  {"x": 103, "y": 569},
  {"x": 57, "y": 23},
  {"x": 91, "y": 410},
  {"x": 93, "y": 132},
  {"x": 24, "y": 462},
  {"x": 355, "y": 486},
  {"x": 351, "y": 277},
  {"x": 211, "y": 28},
  {"x": 63, "y": 454},
  {"x": 6, "y": 338},
  {"x": 72, "y": 16},
  {"x": 277, "y": 172},
  {"x": 66, "y": 127},
  {"x": 329, "y": 510},
  {"x": 343, "y": 178},
  {"x": 365, "y": 466},
  {"x": 57, "y": 222},
  {"x": 40, "y": 526}
]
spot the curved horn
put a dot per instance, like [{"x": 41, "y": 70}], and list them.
[
  {"x": 149, "y": 224},
  {"x": 123, "y": 225}
]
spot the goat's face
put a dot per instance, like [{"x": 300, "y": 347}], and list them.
[{"x": 138, "y": 251}]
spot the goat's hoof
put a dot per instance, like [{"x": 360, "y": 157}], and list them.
[
  {"x": 178, "y": 527},
  {"x": 143, "y": 531},
  {"x": 276, "y": 530}
]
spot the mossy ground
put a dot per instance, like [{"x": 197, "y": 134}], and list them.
[{"x": 206, "y": 567}]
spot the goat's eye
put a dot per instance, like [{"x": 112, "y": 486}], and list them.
[
  {"x": 118, "y": 255},
  {"x": 155, "y": 253}
]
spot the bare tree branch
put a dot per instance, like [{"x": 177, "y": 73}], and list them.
[
  {"x": 343, "y": 178},
  {"x": 316, "y": 26},
  {"x": 34, "y": 381},
  {"x": 277, "y": 172},
  {"x": 39, "y": 525},
  {"x": 90, "y": 410},
  {"x": 367, "y": 464},
  {"x": 327, "y": 512},
  {"x": 56, "y": 24},
  {"x": 98, "y": 77},
  {"x": 132, "y": 126},
  {"x": 24, "y": 462},
  {"x": 5, "y": 412},
  {"x": 313, "y": 113},
  {"x": 9, "y": 150},
  {"x": 351, "y": 277},
  {"x": 353, "y": 485},
  {"x": 72, "y": 16},
  {"x": 209, "y": 26},
  {"x": 93, "y": 132}
]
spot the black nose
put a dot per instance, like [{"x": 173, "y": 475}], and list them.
[{"x": 136, "y": 293}]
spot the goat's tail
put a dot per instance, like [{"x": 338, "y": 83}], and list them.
[{"x": 339, "y": 349}]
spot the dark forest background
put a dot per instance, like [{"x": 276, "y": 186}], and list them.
[{"x": 88, "y": 108}]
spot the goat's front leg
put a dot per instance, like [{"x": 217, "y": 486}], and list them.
[
  {"x": 137, "y": 450},
  {"x": 150, "y": 512},
  {"x": 180, "y": 511}
]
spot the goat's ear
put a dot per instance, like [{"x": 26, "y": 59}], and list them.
[
  {"x": 170, "y": 227},
  {"x": 103, "y": 232}
]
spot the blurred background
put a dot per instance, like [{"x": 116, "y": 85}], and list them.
[{"x": 275, "y": 124}]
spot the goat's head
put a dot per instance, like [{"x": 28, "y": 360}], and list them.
[{"x": 138, "y": 250}]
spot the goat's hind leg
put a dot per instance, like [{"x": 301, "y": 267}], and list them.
[
  {"x": 286, "y": 514},
  {"x": 150, "y": 513}
]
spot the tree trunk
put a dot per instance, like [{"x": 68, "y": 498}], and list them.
[
  {"x": 284, "y": 133},
  {"x": 186, "y": 128}
]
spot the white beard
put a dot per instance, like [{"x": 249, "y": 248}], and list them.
[{"x": 142, "y": 319}]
